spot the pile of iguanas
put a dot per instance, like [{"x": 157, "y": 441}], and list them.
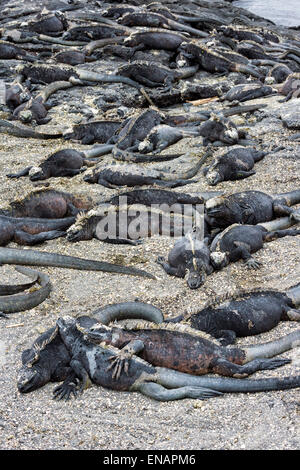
[{"x": 162, "y": 57}]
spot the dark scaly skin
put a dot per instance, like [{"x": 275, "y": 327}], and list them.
[
  {"x": 151, "y": 221},
  {"x": 44, "y": 73},
  {"x": 214, "y": 61},
  {"x": 133, "y": 175},
  {"x": 10, "y": 51},
  {"x": 159, "y": 196},
  {"x": 47, "y": 360},
  {"x": 30, "y": 231},
  {"x": 7, "y": 127},
  {"x": 92, "y": 32},
  {"x": 189, "y": 258},
  {"x": 90, "y": 362},
  {"x": 156, "y": 39},
  {"x": 6, "y": 289},
  {"x": 48, "y": 203},
  {"x": 233, "y": 165},
  {"x": 136, "y": 129},
  {"x": 38, "y": 258},
  {"x": 97, "y": 131},
  {"x": 180, "y": 348},
  {"x": 250, "y": 314},
  {"x": 172, "y": 349},
  {"x": 66, "y": 162},
  {"x": 249, "y": 207},
  {"x": 27, "y": 301},
  {"x": 152, "y": 74},
  {"x": 240, "y": 241}
]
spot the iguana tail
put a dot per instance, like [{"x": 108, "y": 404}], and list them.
[
  {"x": 122, "y": 310},
  {"x": 42, "y": 258},
  {"x": 171, "y": 379},
  {"x": 291, "y": 198},
  {"x": 272, "y": 348}
]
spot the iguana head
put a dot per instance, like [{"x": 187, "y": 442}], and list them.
[
  {"x": 195, "y": 273},
  {"x": 218, "y": 259},
  {"x": 99, "y": 333},
  {"x": 36, "y": 173},
  {"x": 31, "y": 378},
  {"x": 213, "y": 174}
]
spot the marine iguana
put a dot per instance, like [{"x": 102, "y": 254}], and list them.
[
  {"x": 135, "y": 129},
  {"x": 220, "y": 129},
  {"x": 160, "y": 196},
  {"x": 66, "y": 162},
  {"x": 279, "y": 72},
  {"x": 7, "y": 127},
  {"x": 155, "y": 38},
  {"x": 248, "y": 91},
  {"x": 162, "y": 136},
  {"x": 253, "y": 50},
  {"x": 244, "y": 314},
  {"x": 213, "y": 61},
  {"x": 129, "y": 223},
  {"x": 94, "y": 131},
  {"x": 114, "y": 176},
  {"x": 88, "y": 33},
  {"x": 36, "y": 108},
  {"x": 250, "y": 207},
  {"x": 152, "y": 74},
  {"x": 241, "y": 33},
  {"x": 42, "y": 258},
  {"x": 157, "y": 20},
  {"x": 47, "y": 203},
  {"x": 233, "y": 165},
  {"x": 239, "y": 241},
  {"x": 47, "y": 360},
  {"x": 74, "y": 57},
  {"x": 156, "y": 382},
  {"x": 290, "y": 87},
  {"x": 10, "y": 51},
  {"x": 189, "y": 258},
  {"x": 49, "y": 22},
  {"x": 180, "y": 347},
  {"x": 21, "y": 302},
  {"x": 16, "y": 94},
  {"x": 45, "y": 73},
  {"x": 31, "y": 231}
]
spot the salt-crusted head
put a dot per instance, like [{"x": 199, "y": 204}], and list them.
[
  {"x": 218, "y": 259},
  {"x": 36, "y": 173}
]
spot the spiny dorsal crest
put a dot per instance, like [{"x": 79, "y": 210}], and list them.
[
  {"x": 40, "y": 346},
  {"x": 175, "y": 327}
]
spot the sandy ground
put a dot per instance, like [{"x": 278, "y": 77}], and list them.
[{"x": 103, "y": 419}]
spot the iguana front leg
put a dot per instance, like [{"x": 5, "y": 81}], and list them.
[
  {"x": 121, "y": 360},
  {"x": 69, "y": 387},
  {"x": 178, "y": 271},
  {"x": 243, "y": 250},
  {"x": 76, "y": 382}
]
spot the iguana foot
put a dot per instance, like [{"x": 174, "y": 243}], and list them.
[
  {"x": 120, "y": 362},
  {"x": 295, "y": 215},
  {"x": 64, "y": 391},
  {"x": 160, "y": 260},
  {"x": 253, "y": 264},
  {"x": 3, "y": 315}
]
